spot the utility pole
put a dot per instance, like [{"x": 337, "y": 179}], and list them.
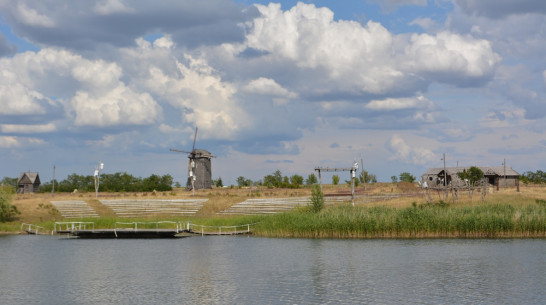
[
  {"x": 353, "y": 187},
  {"x": 53, "y": 183},
  {"x": 504, "y": 163},
  {"x": 445, "y": 174}
]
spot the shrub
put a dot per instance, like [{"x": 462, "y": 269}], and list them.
[
  {"x": 7, "y": 211},
  {"x": 407, "y": 177},
  {"x": 317, "y": 199},
  {"x": 473, "y": 175}
]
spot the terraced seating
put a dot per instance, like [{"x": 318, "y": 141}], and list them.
[
  {"x": 74, "y": 209},
  {"x": 273, "y": 205},
  {"x": 154, "y": 207}
]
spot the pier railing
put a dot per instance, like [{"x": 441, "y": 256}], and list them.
[
  {"x": 33, "y": 229},
  {"x": 180, "y": 226},
  {"x": 219, "y": 230},
  {"x": 79, "y": 227},
  {"x": 73, "y": 226}
]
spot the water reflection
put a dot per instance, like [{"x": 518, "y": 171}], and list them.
[{"x": 246, "y": 270}]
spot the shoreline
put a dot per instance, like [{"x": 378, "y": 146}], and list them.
[{"x": 504, "y": 214}]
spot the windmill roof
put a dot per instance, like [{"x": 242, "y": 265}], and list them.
[{"x": 201, "y": 153}]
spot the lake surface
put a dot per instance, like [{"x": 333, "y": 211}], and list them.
[{"x": 251, "y": 270}]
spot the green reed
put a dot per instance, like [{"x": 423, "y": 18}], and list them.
[{"x": 430, "y": 220}]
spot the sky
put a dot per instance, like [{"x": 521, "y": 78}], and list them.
[{"x": 287, "y": 86}]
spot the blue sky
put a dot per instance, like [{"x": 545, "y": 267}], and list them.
[{"x": 284, "y": 85}]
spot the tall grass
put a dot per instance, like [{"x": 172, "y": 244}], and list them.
[
  {"x": 430, "y": 220},
  {"x": 346, "y": 221}
]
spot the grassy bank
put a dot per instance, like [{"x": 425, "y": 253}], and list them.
[
  {"x": 427, "y": 220},
  {"x": 504, "y": 213}
]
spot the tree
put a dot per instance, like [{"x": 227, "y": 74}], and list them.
[
  {"x": 242, "y": 181},
  {"x": 357, "y": 181},
  {"x": 296, "y": 181},
  {"x": 335, "y": 179},
  {"x": 7, "y": 210},
  {"x": 311, "y": 179},
  {"x": 394, "y": 179},
  {"x": 7, "y": 181},
  {"x": 405, "y": 176},
  {"x": 218, "y": 182},
  {"x": 366, "y": 177},
  {"x": 538, "y": 177},
  {"x": 473, "y": 175},
  {"x": 275, "y": 180},
  {"x": 285, "y": 182},
  {"x": 317, "y": 199}
]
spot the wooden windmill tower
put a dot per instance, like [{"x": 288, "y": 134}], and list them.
[{"x": 199, "y": 167}]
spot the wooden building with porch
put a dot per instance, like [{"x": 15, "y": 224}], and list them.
[
  {"x": 498, "y": 176},
  {"x": 28, "y": 182}
]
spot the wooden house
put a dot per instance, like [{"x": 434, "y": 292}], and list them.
[
  {"x": 28, "y": 183},
  {"x": 498, "y": 176}
]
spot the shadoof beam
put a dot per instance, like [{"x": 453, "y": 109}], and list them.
[{"x": 340, "y": 169}]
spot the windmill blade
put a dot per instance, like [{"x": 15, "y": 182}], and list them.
[
  {"x": 180, "y": 151},
  {"x": 194, "y": 138}
]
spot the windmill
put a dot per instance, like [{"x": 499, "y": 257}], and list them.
[{"x": 199, "y": 167}]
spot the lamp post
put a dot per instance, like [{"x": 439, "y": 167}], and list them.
[
  {"x": 98, "y": 168},
  {"x": 354, "y": 169}
]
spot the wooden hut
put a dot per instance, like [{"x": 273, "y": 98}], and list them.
[
  {"x": 28, "y": 183},
  {"x": 498, "y": 176}
]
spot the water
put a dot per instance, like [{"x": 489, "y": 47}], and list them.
[{"x": 249, "y": 270}]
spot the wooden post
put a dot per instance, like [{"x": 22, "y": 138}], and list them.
[
  {"x": 53, "y": 183},
  {"x": 445, "y": 175},
  {"x": 353, "y": 172},
  {"x": 498, "y": 182},
  {"x": 320, "y": 180}
]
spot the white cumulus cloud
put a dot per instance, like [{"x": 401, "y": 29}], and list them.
[
  {"x": 108, "y": 7},
  {"x": 400, "y": 103},
  {"x": 267, "y": 86},
  {"x": 27, "y": 128},
  {"x": 94, "y": 88},
  {"x": 120, "y": 106},
  {"x": 17, "y": 99},
  {"x": 197, "y": 90},
  {"x": 450, "y": 57},
  {"x": 14, "y": 142},
  {"x": 30, "y": 16},
  {"x": 403, "y": 152},
  {"x": 346, "y": 56}
]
